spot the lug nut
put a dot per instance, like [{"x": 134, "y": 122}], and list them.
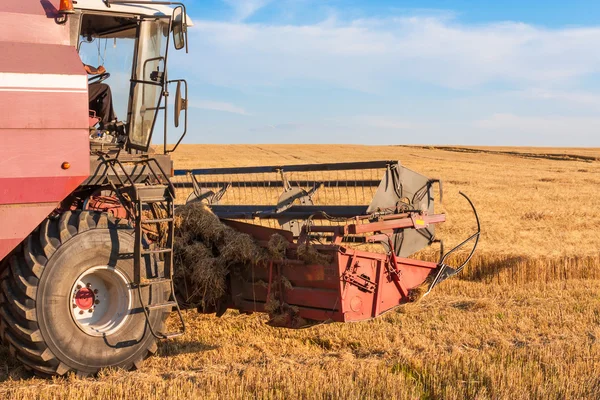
[
  {"x": 78, "y": 287},
  {"x": 89, "y": 285},
  {"x": 80, "y": 312},
  {"x": 97, "y": 302},
  {"x": 90, "y": 310},
  {"x": 74, "y": 305},
  {"x": 95, "y": 291}
]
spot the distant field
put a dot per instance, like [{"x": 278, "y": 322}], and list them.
[{"x": 522, "y": 321}]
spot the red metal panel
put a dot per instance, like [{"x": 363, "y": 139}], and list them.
[
  {"x": 46, "y": 8},
  {"x": 312, "y": 275},
  {"x": 358, "y": 304},
  {"x": 33, "y": 190},
  {"x": 7, "y": 245},
  {"x": 41, "y": 110},
  {"x": 43, "y": 118},
  {"x": 316, "y": 314},
  {"x": 32, "y": 21},
  {"x": 305, "y": 312},
  {"x": 358, "y": 286},
  {"x": 260, "y": 233},
  {"x": 39, "y": 58},
  {"x": 38, "y": 30},
  {"x": 30, "y": 153},
  {"x": 390, "y": 290},
  {"x": 17, "y": 218},
  {"x": 18, "y": 221},
  {"x": 307, "y": 297},
  {"x": 300, "y": 274},
  {"x": 389, "y": 224}
]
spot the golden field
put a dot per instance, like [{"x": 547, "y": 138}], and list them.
[{"x": 521, "y": 322}]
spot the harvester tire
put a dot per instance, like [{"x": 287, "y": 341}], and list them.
[{"x": 53, "y": 321}]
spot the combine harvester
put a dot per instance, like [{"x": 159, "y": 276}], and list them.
[{"x": 83, "y": 285}]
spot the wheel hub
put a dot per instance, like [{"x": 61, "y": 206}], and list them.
[
  {"x": 85, "y": 298},
  {"x": 100, "y": 300}
]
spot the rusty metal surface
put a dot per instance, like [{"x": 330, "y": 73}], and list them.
[{"x": 354, "y": 286}]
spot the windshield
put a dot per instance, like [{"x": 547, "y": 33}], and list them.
[
  {"x": 149, "y": 77},
  {"x": 112, "y": 51}
]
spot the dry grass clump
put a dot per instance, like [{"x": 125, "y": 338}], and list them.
[
  {"x": 416, "y": 293},
  {"x": 206, "y": 250},
  {"x": 280, "y": 313},
  {"x": 277, "y": 248},
  {"x": 310, "y": 255}
]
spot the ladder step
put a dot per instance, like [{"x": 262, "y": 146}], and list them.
[
  {"x": 154, "y": 200},
  {"x": 154, "y": 281},
  {"x": 168, "y": 304},
  {"x": 152, "y": 193},
  {"x": 156, "y": 251},
  {"x": 170, "y": 335},
  {"x": 156, "y": 221},
  {"x": 149, "y": 193}
]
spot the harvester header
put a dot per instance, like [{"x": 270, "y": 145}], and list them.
[{"x": 347, "y": 230}]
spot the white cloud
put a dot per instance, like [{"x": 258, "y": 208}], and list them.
[
  {"x": 245, "y": 8},
  {"x": 511, "y": 83},
  {"x": 372, "y": 54},
  {"x": 218, "y": 106}
]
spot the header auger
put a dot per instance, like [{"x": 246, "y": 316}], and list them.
[{"x": 89, "y": 218}]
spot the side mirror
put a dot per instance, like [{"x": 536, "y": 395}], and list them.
[
  {"x": 179, "y": 28},
  {"x": 180, "y": 103}
]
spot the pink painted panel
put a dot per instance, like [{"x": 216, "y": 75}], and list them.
[
  {"x": 43, "y": 119},
  {"x": 40, "y": 29},
  {"x": 39, "y": 58},
  {"x": 30, "y": 153},
  {"x": 18, "y": 222},
  {"x": 21, "y": 217},
  {"x": 41, "y": 189},
  {"x": 7, "y": 245},
  {"x": 39, "y": 110},
  {"x": 38, "y": 7}
]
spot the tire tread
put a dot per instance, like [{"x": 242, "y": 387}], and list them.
[{"x": 19, "y": 284}]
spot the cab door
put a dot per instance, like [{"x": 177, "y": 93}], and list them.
[{"x": 148, "y": 82}]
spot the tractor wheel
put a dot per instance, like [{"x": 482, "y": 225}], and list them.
[{"x": 66, "y": 301}]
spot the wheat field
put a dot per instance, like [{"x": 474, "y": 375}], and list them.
[{"x": 522, "y": 321}]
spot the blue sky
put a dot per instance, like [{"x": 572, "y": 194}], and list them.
[{"x": 393, "y": 72}]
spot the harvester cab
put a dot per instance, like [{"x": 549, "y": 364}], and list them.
[
  {"x": 131, "y": 40},
  {"x": 93, "y": 258}
]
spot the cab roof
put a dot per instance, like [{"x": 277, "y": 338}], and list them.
[{"x": 150, "y": 10}]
